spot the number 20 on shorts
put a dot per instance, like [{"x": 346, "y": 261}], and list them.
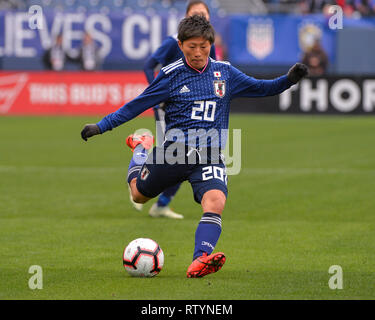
[{"x": 213, "y": 172}]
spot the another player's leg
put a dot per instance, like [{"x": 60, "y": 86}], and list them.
[
  {"x": 139, "y": 144},
  {"x": 206, "y": 236},
  {"x": 161, "y": 207}
]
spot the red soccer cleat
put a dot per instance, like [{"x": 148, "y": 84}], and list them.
[
  {"x": 145, "y": 139},
  {"x": 205, "y": 265}
]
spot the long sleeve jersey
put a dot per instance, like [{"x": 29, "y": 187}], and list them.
[{"x": 196, "y": 100}]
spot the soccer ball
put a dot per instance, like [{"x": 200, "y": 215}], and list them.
[{"x": 143, "y": 258}]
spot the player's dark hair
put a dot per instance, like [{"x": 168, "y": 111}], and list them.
[
  {"x": 195, "y": 2},
  {"x": 195, "y": 26}
]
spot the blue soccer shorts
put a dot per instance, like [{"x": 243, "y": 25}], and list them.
[{"x": 203, "y": 174}]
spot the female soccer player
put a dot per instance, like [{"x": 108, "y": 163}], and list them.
[
  {"x": 197, "y": 91},
  {"x": 167, "y": 53}
]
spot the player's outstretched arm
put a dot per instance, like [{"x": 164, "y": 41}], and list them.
[
  {"x": 89, "y": 130},
  {"x": 297, "y": 72},
  {"x": 245, "y": 86},
  {"x": 155, "y": 93}
]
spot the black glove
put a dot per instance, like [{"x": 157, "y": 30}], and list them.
[
  {"x": 89, "y": 130},
  {"x": 297, "y": 72}
]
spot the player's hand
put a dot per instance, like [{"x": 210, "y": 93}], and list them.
[
  {"x": 297, "y": 72},
  {"x": 89, "y": 130}
]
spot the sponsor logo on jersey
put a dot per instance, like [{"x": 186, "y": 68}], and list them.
[{"x": 219, "y": 88}]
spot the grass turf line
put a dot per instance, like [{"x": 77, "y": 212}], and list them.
[{"x": 302, "y": 202}]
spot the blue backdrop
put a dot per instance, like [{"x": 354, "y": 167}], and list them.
[
  {"x": 125, "y": 41},
  {"x": 278, "y": 39}
]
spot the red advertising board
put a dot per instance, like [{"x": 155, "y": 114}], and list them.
[{"x": 68, "y": 93}]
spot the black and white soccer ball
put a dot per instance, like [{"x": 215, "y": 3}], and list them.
[{"x": 143, "y": 257}]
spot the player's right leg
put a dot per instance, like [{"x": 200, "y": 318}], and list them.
[
  {"x": 139, "y": 144},
  {"x": 135, "y": 194},
  {"x": 150, "y": 174},
  {"x": 161, "y": 207}
]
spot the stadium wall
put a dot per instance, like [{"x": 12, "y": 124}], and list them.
[
  {"x": 99, "y": 93},
  {"x": 324, "y": 95},
  {"x": 68, "y": 93}
]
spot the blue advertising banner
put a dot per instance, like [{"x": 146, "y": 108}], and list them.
[
  {"x": 128, "y": 39},
  {"x": 278, "y": 39},
  {"x": 119, "y": 37}
]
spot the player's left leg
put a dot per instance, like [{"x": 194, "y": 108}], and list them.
[
  {"x": 209, "y": 228},
  {"x": 206, "y": 236},
  {"x": 211, "y": 192},
  {"x": 213, "y": 201}
]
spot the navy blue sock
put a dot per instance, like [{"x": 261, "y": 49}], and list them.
[
  {"x": 166, "y": 197},
  {"x": 207, "y": 234},
  {"x": 136, "y": 162}
]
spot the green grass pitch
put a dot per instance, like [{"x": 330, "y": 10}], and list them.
[{"x": 304, "y": 201}]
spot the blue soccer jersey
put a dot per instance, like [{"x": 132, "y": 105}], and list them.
[{"x": 197, "y": 102}]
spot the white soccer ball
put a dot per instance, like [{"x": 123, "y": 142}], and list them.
[{"x": 143, "y": 258}]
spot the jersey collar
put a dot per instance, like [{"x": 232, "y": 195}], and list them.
[{"x": 196, "y": 70}]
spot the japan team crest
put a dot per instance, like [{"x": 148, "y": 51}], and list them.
[
  {"x": 144, "y": 173},
  {"x": 219, "y": 88}
]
